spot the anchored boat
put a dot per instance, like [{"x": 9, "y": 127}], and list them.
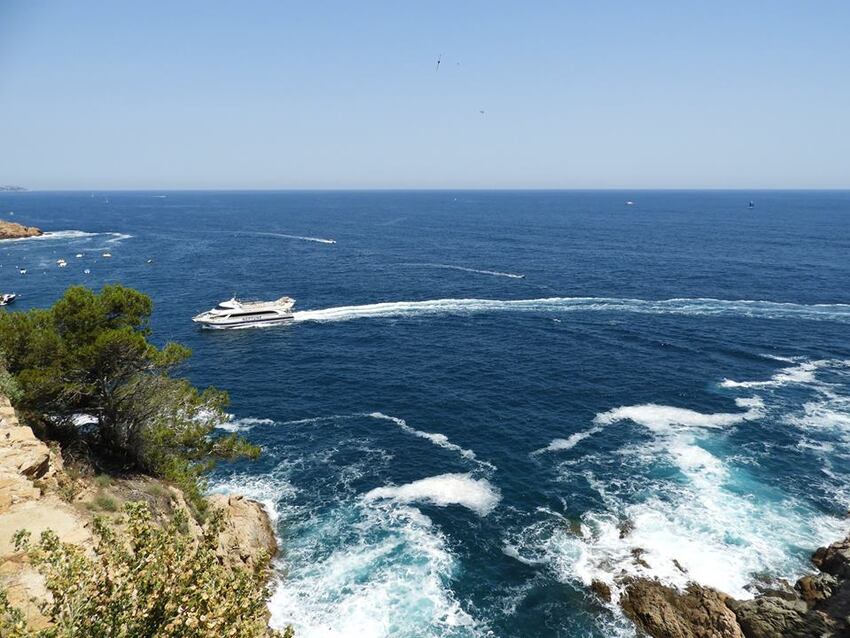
[{"x": 242, "y": 314}]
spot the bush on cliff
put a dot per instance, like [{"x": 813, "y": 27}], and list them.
[
  {"x": 147, "y": 581},
  {"x": 89, "y": 354}
]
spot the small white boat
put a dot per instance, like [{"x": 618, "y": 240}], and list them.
[
  {"x": 23, "y": 271},
  {"x": 61, "y": 263},
  {"x": 7, "y": 298},
  {"x": 630, "y": 203},
  {"x": 241, "y": 314},
  {"x": 87, "y": 271},
  {"x": 78, "y": 255},
  {"x": 107, "y": 255}
]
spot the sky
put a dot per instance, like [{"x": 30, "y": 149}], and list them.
[{"x": 338, "y": 95}]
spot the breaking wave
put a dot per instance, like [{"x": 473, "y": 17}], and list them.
[
  {"x": 71, "y": 235},
  {"x": 681, "y": 307},
  {"x": 477, "y": 495}
]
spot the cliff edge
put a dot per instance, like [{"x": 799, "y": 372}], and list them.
[{"x": 37, "y": 493}]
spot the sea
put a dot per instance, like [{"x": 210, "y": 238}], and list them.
[{"x": 487, "y": 401}]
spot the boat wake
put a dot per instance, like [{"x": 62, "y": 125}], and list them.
[
  {"x": 493, "y": 273},
  {"x": 682, "y": 307},
  {"x": 318, "y": 240}
]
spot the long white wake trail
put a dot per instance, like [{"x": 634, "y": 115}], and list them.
[{"x": 682, "y": 307}]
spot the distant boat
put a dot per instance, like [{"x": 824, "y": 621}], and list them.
[
  {"x": 7, "y": 298},
  {"x": 23, "y": 271},
  {"x": 87, "y": 271},
  {"x": 107, "y": 255},
  {"x": 61, "y": 263},
  {"x": 78, "y": 255},
  {"x": 630, "y": 203},
  {"x": 752, "y": 204}
]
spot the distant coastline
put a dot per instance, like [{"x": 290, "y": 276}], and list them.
[{"x": 12, "y": 189}]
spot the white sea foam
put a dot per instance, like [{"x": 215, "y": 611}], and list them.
[
  {"x": 664, "y": 418},
  {"x": 493, "y": 273},
  {"x": 661, "y": 419},
  {"x": 681, "y": 307},
  {"x": 794, "y": 375},
  {"x": 558, "y": 445},
  {"x": 389, "y": 576},
  {"x": 477, "y": 495},
  {"x": 242, "y": 425},
  {"x": 71, "y": 235},
  {"x": 440, "y": 440}
]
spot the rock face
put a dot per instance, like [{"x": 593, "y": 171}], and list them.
[
  {"x": 11, "y": 230},
  {"x": 698, "y": 612},
  {"x": 818, "y": 606},
  {"x": 30, "y": 474},
  {"x": 247, "y": 533}
]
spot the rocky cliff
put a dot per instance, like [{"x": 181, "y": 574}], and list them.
[
  {"x": 11, "y": 230},
  {"x": 37, "y": 493}
]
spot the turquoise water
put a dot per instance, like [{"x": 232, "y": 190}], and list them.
[{"x": 488, "y": 400}]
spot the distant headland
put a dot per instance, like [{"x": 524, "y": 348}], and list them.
[
  {"x": 11, "y": 230},
  {"x": 12, "y": 189}
]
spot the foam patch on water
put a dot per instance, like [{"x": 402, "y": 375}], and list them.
[
  {"x": 440, "y": 440},
  {"x": 794, "y": 375},
  {"x": 682, "y": 307},
  {"x": 477, "y": 495},
  {"x": 269, "y": 490},
  {"x": 383, "y": 572},
  {"x": 661, "y": 419},
  {"x": 242, "y": 425},
  {"x": 70, "y": 235}
]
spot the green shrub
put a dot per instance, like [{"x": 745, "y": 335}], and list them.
[
  {"x": 148, "y": 582},
  {"x": 90, "y": 354}
]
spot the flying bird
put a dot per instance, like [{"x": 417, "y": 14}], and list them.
[{"x": 439, "y": 57}]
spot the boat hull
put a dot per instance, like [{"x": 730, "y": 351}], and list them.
[{"x": 231, "y": 324}]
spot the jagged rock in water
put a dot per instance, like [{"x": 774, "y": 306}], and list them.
[
  {"x": 661, "y": 611},
  {"x": 772, "y": 617}
]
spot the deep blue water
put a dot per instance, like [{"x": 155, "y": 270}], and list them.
[{"x": 671, "y": 378}]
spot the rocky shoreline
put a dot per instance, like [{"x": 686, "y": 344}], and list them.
[
  {"x": 38, "y": 493},
  {"x": 816, "y": 606},
  {"x": 11, "y": 230}
]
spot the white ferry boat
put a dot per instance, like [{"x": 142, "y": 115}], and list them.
[{"x": 242, "y": 314}]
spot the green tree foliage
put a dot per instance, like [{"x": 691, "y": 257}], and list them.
[
  {"x": 147, "y": 581},
  {"x": 90, "y": 354}
]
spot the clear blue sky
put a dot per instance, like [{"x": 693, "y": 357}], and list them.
[{"x": 275, "y": 94}]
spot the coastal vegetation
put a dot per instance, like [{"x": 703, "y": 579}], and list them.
[
  {"x": 105, "y": 529},
  {"x": 83, "y": 373},
  {"x": 144, "y": 580}
]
